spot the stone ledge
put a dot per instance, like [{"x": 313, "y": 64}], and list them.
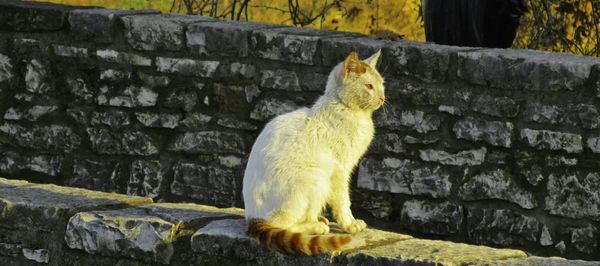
[{"x": 112, "y": 228}]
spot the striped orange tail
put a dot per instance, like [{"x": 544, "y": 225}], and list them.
[{"x": 295, "y": 243}]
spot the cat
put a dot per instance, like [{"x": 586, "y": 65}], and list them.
[{"x": 303, "y": 161}]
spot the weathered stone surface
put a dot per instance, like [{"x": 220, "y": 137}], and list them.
[
  {"x": 229, "y": 98},
  {"x": 546, "y": 237},
  {"x": 580, "y": 115},
  {"x": 501, "y": 227},
  {"x": 195, "y": 121},
  {"x": 551, "y": 140},
  {"x": 37, "y": 255},
  {"x": 206, "y": 183},
  {"x": 95, "y": 175},
  {"x": 431, "y": 218},
  {"x": 493, "y": 132},
  {"x": 106, "y": 141},
  {"x": 252, "y": 92},
  {"x": 453, "y": 110},
  {"x": 568, "y": 196},
  {"x": 158, "y": 120},
  {"x": 394, "y": 118},
  {"x": 533, "y": 174},
  {"x": 403, "y": 176},
  {"x": 31, "y": 114},
  {"x": 79, "y": 115},
  {"x": 295, "y": 45},
  {"x": 97, "y": 24},
  {"x": 421, "y": 139},
  {"x": 427, "y": 62},
  {"x": 585, "y": 239},
  {"x": 543, "y": 261},
  {"x": 112, "y": 118},
  {"x": 237, "y": 71},
  {"x": 209, "y": 142},
  {"x": 184, "y": 98},
  {"x": 379, "y": 206},
  {"x": 280, "y": 80},
  {"x": 155, "y": 32},
  {"x": 231, "y": 122},
  {"x": 146, "y": 178},
  {"x": 186, "y": 67},
  {"x": 226, "y": 38},
  {"x": 114, "y": 75},
  {"x": 153, "y": 81},
  {"x": 37, "y": 77},
  {"x": 497, "y": 184},
  {"x": 268, "y": 108},
  {"x": 123, "y": 58},
  {"x": 79, "y": 89},
  {"x": 520, "y": 69},
  {"x": 28, "y": 16},
  {"x": 593, "y": 144},
  {"x": 54, "y": 137},
  {"x": 70, "y": 51},
  {"x": 13, "y": 163},
  {"x": 560, "y": 161},
  {"x": 496, "y": 106},
  {"x": 146, "y": 233},
  {"x": 132, "y": 96},
  {"x": 335, "y": 50},
  {"x": 6, "y": 68},
  {"x": 467, "y": 157},
  {"x": 384, "y": 143}
]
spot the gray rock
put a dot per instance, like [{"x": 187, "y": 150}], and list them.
[
  {"x": 195, "y": 121},
  {"x": 580, "y": 115},
  {"x": 551, "y": 140},
  {"x": 431, "y": 218},
  {"x": 593, "y": 144},
  {"x": 280, "y": 80},
  {"x": 114, "y": 75},
  {"x": 536, "y": 112},
  {"x": 496, "y": 106},
  {"x": 32, "y": 114},
  {"x": 419, "y": 121},
  {"x": 467, "y": 157},
  {"x": 229, "y": 98},
  {"x": 428, "y": 139},
  {"x": 6, "y": 68},
  {"x": 225, "y": 38},
  {"x": 37, "y": 255},
  {"x": 387, "y": 143},
  {"x": 335, "y": 50},
  {"x": 561, "y": 247},
  {"x": 251, "y": 93},
  {"x": 105, "y": 141},
  {"x": 98, "y": 25},
  {"x": 80, "y": 115},
  {"x": 238, "y": 71},
  {"x": 533, "y": 174},
  {"x": 544, "y": 261},
  {"x": 95, "y": 175},
  {"x": 10, "y": 162},
  {"x": 54, "y": 137},
  {"x": 231, "y": 161},
  {"x": 231, "y": 122},
  {"x": 11, "y": 250},
  {"x": 497, "y": 184},
  {"x": 585, "y": 239},
  {"x": 112, "y": 118},
  {"x": 379, "y": 206},
  {"x": 403, "y": 176},
  {"x": 209, "y": 142},
  {"x": 145, "y": 179},
  {"x": 493, "y": 132},
  {"x": 158, "y": 120},
  {"x": 152, "y": 81},
  {"x": 132, "y": 96},
  {"x": 37, "y": 77},
  {"x": 114, "y": 56},
  {"x": 268, "y": 108},
  {"x": 453, "y": 110},
  {"x": 79, "y": 90},
  {"x": 569, "y": 197},
  {"x": 155, "y": 32},
  {"x": 560, "y": 161},
  {"x": 70, "y": 51},
  {"x": 46, "y": 164},
  {"x": 501, "y": 227},
  {"x": 187, "y": 67},
  {"x": 546, "y": 237},
  {"x": 184, "y": 98},
  {"x": 27, "y": 16},
  {"x": 206, "y": 183}
]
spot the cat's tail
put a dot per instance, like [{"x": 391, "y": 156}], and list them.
[{"x": 295, "y": 243}]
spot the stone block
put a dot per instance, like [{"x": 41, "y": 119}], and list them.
[
  {"x": 158, "y": 32},
  {"x": 113, "y": 76},
  {"x": 279, "y": 80},
  {"x": 497, "y": 184},
  {"x": 111, "y": 118},
  {"x": 153, "y": 81},
  {"x": 31, "y": 16},
  {"x": 221, "y": 38},
  {"x": 466, "y": 157},
  {"x": 184, "y": 98},
  {"x": 206, "y": 183},
  {"x": 70, "y": 51},
  {"x": 237, "y": 70},
  {"x": 6, "y": 69},
  {"x": 493, "y": 132},
  {"x": 294, "y": 45},
  {"x": 195, "y": 121},
  {"x": 158, "y": 120},
  {"x": 551, "y": 140},
  {"x": 496, "y": 106},
  {"x": 146, "y": 178},
  {"x": 585, "y": 239},
  {"x": 187, "y": 67},
  {"x": 14, "y": 163},
  {"x": 32, "y": 113},
  {"x": 114, "y": 56},
  {"x": 431, "y": 218},
  {"x": 130, "y": 97},
  {"x": 579, "y": 115},
  {"x": 79, "y": 89},
  {"x": 387, "y": 143},
  {"x": 403, "y": 176},
  {"x": 232, "y": 122},
  {"x": 95, "y": 175},
  {"x": 267, "y": 108},
  {"x": 522, "y": 69},
  {"x": 335, "y": 50},
  {"x": 105, "y": 141},
  {"x": 147, "y": 233},
  {"x": 209, "y": 142},
  {"x": 38, "y": 77},
  {"x": 543, "y": 261},
  {"x": 54, "y": 137},
  {"x": 574, "y": 195},
  {"x": 501, "y": 227},
  {"x": 229, "y": 98},
  {"x": 98, "y": 24},
  {"x": 395, "y": 118}
]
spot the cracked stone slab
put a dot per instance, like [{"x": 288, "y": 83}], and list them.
[{"x": 145, "y": 233}]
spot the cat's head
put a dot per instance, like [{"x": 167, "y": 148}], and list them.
[{"x": 357, "y": 83}]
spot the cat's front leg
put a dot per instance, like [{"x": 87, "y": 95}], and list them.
[{"x": 339, "y": 201}]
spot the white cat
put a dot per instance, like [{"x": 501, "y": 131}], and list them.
[{"x": 303, "y": 161}]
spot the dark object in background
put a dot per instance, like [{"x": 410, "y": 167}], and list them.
[{"x": 483, "y": 23}]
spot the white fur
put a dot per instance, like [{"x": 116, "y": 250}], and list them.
[{"x": 303, "y": 160}]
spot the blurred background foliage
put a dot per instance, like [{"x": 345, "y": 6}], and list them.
[{"x": 571, "y": 26}]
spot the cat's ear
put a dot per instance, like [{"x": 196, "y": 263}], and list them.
[
  {"x": 372, "y": 61},
  {"x": 352, "y": 64}
]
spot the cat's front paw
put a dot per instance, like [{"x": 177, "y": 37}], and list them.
[{"x": 355, "y": 227}]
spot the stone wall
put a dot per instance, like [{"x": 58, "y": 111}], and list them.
[{"x": 497, "y": 147}]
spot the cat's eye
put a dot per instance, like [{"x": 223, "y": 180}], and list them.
[{"x": 369, "y": 86}]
